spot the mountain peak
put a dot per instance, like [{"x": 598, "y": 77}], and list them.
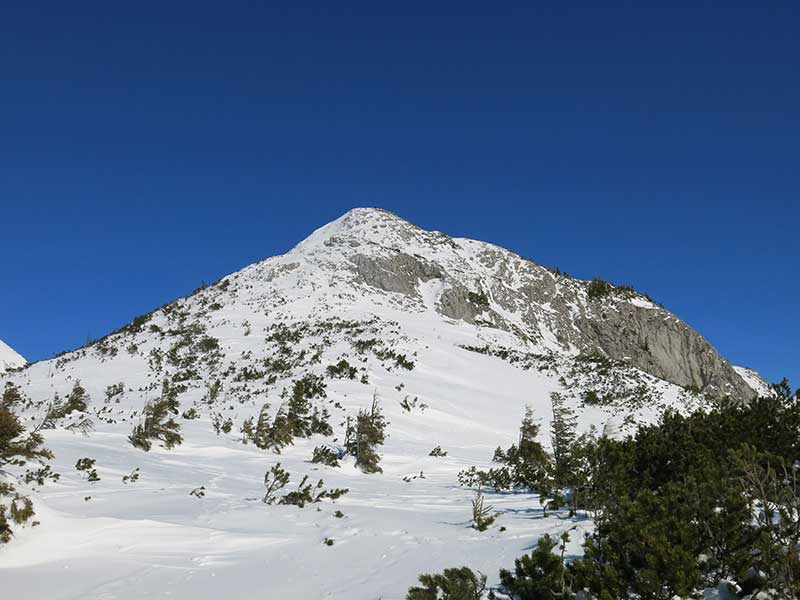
[
  {"x": 372, "y": 260},
  {"x": 10, "y": 358},
  {"x": 363, "y": 224}
]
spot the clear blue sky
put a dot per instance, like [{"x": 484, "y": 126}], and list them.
[{"x": 145, "y": 147}]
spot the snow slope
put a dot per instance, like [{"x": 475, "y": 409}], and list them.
[
  {"x": 344, "y": 293},
  {"x": 754, "y": 380},
  {"x": 9, "y": 358}
]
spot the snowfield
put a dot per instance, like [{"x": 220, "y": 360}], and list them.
[
  {"x": 151, "y": 538},
  {"x": 467, "y": 391}
]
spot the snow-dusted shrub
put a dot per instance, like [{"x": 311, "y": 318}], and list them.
[
  {"x": 363, "y": 439},
  {"x": 17, "y": 448},
  {"x": 524, "y": 465},
  {"x": 113, "y": 391},
  {"x": 598, "y": 288},
  {"x": 540, "y": 575},
  {"x": 483, "y": 515},
  {"x": 341, "y": 370},
  {"x": 308, "y": 494},
  {"x": 274, "y": 480},
  {"x": 77, "y": 400},
  {"x": 87, "y": 466},
  {"x": 326, "y": 455},
  {"x": 452, "y": 584},
  {"x": 158, "y": 422}
]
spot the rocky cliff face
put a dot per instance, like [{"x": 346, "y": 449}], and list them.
[{"x": 489, "y": 287}]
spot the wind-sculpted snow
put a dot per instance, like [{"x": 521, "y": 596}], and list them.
[{"x": 454, "y": 336}]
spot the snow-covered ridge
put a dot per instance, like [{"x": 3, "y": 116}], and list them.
[
  {"x": 386, "y": 258},
  {"x": 9, "y": 358},
  {"x": 754, "y": 380},
  {"x": 455, "y": 337}
]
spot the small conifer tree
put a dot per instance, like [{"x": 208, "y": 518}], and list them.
[
  {"x": 482, "y": 515},
  {"x": 158, "y": 422},
  {"x": 452, "y": 584},
  {"x": 274, "y": 479},
  {"x": 368, "y": 434},
  {"x": 17, "y": 448},
  {"x": 77, "y": 400},
  {"x": 563, "y": 438}
]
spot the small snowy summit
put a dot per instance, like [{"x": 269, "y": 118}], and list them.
[
  {"x": 190, "y": 442},
  {"x": 9, "y": 358}
]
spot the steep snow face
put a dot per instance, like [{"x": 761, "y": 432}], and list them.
[
  {"x": 754, "y": 380},
  {"x": 9, "y": 358},
  {"x": 454, "y": 336}
]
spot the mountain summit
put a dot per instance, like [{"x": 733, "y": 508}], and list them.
[
  {"x": 9, "y": 358},
  {"x": 394, "y": 263},
  {"x": 169, "y": 432}
]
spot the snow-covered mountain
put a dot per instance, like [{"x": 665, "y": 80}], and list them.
[
  {"x": 9, "y": 358},
  {"x": 754, "y": 380},
  {"x": 455, "y": 337}
]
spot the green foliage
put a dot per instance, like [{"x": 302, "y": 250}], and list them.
[
  {"x": 326, "y": 455},
  {"x": 40, "y": 475},
  {"x": 483, "y": 516},
  {"x": 363, "y": 440},
  {"x": 87, "y": 465},
  {"x": 562, "y": 437},
  {"x": 273, "y": 435},
  {"x": 598, "y": 288},
  {"x": 452, "y": 584},
  {"x": 274, "y": 480},
  {"x": 17, "y": 448},
  {"x": 248, "y": 430},
  {"x": 213, "y": 391},
  {"x": 132, "y": 478},
  {"x": 592, "y": 398},
  {"x": 220, "y": 424},
  {"x": 400, "y": 360},
  {"x": 139, "y": 322},
  {"x": 21, "y": 509},
  {"x": 572, "y": 457},
  {"x": 208, "y": 344},
  {"x": 301, "y": 422},
  {"x": 308, "y": 494},
  {"x": 480, "y": 299},
  {"x": 11, "y": 396},
  {"x": 540, "y": 575},
  {"x": 681, "y": 506},
  {"x": 77, "y": 400},
  {"x": 524, "y": 465},
  {"x": 158, "y": 422},
  {"x": 676, "y": 504},
  {"x": 342, "y": 370},
  {"x": 437, "y": 451},
  {"x": 114, "y": 391}
]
